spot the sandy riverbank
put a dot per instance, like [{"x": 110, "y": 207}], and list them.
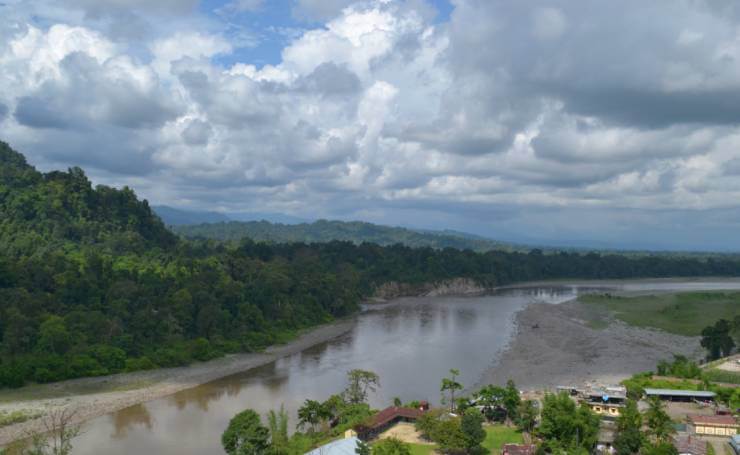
[
  {"x": 565, "y": 349},
  {"x": 94, "y": 397}
]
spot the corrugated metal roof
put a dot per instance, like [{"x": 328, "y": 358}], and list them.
[
  {"x": 726, "y": 420},
  {"x": 681, "y": 393},
  {"x": 338, "y": 447}
]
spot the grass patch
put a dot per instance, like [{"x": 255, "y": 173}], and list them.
[
  {"x": 10, "y": 418},
  {"x": 422, "y": 449},
  {"x": 717, "y": 375},
  {"x": 682, "y": 313},
  {"x": 498, "y": 435}
]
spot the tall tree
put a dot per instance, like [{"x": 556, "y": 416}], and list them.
[
  {"x": 471, "y": 425},
  {"x": 717, "y": 339},
  {"x": 246, "y": 435},
  {"x": 359, "y": 383},
  {"x": 277, "y": 423},
  {"x": 629, "y": 439},
  {"x": 311, "y": 413},
  {"x": 512, "y": 400},
  {"x": 658, "y": 421},
  {"x": 450, "y": 385},
  {"x": 527, "y": 416}
]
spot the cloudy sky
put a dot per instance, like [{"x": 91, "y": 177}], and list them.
[{"x": 596, "y": 123}]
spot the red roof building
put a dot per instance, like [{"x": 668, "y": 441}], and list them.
[
  {"x": 386, "y": 419},
  {"x": 714, "y": 425}
]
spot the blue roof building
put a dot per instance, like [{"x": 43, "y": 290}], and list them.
[{"x": 339, "y": 447}]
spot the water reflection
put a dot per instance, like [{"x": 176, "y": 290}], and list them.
[
  {"x": 123, "y": 421},
  {"x": 410, "y": 343}
]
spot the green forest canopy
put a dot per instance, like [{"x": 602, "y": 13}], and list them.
[{"x": 92, "y": 282}]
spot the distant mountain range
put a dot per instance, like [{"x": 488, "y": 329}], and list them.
[
  {"x": 280, "y": 228},
  {"x": 325, "y": 231},
  {"x": 178, "y": 217}
]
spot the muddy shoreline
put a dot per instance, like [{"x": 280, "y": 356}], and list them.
[{"x": 95, "y": 397}]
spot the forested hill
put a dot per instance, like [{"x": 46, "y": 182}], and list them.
[
  {"x": 92, "y": 283},
  {"x": 326, "y": 231},
  {"x": 39, "y": 210}
]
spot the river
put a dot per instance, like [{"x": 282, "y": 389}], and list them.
[{"x": 411, "y": 343}]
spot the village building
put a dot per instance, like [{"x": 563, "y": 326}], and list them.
[
  {"x": 344, "y": 446},
  {"x": 389, "y": 417},
  {"x": 518, "y": 449},
  {"x": 606, "y": 402},
  {"x": 687, "y": 396},
  {"x": 687, "y": 444},
  {"x": 714, "y": 425}
]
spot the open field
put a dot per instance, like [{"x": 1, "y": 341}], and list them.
[
  {"x": 681, "y": 313},
  {"x": 498, "y": 435}
]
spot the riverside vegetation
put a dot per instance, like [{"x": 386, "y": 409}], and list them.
[
  {"x": 93, "y": 283},
  {"x": 476, "y": 424}
]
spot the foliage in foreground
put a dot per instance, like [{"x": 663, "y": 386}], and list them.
[{"x": 567, "y": 427}]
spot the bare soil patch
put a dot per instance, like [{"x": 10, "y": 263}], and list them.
[{"x": 558, "y": 345}]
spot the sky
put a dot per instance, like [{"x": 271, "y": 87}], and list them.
[{"x": 596, "y": 124}]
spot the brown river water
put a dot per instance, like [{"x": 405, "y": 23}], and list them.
[{"x": 411, "y": 343}]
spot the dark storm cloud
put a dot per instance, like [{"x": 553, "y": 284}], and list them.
[
  {"x": 652, "y": 109},
  {"x": 37, "y": 112}
]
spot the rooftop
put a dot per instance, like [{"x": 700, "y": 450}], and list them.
[
  {"x": 693, "y": 445},
  {"x": 518, "y": 449},
  {"x": 726, "y": 420},
  {"x": 388, "y": 414},
  {"x": 680, "y": 393},
  {"x": 338, "y": 447}
]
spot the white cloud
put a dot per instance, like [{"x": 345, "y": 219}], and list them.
[{"x": 510, "y": 104}]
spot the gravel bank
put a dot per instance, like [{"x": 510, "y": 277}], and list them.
[
  {"x": 564, "y": 350},
  {"x": 93, "y": 397}
]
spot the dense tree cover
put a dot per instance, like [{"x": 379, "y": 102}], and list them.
[
  {"x": 346, "y": 231},
  {"x": 680, "y": 367},
  {"x": 567, "y": 427},
  {"x": 629, "y": 437},
  {"x": 246, "y": 435},
  {"x": 92, "y": 282},
  {"x": 717, "y": 339}
]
